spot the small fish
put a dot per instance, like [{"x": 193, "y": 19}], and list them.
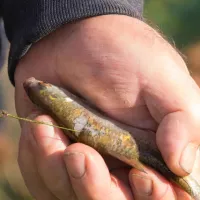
[{"x": 131, "y": 145}]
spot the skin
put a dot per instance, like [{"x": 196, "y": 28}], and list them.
[{"x": 129, "y": 71}]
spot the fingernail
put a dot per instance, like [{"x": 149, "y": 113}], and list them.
[
  {"x": 188, "y": 157},
  {"x": 75, "y": 163},
  {"x": 142, "y": 185}
]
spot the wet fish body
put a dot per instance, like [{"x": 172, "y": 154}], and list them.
[{"x": 130, "y": 145}]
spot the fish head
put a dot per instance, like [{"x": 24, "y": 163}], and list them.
[{"x": 45, "y": 94}]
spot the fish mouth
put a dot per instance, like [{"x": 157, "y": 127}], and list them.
[
  {"x": 29, "y": 83},
  {"x": 33, "y": 87},
  {"x": 32, "y": 83}
]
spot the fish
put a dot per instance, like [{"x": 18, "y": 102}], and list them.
[{"x": 88, "y": 125}]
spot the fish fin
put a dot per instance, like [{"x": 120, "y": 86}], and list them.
[
  {"x": 131, "y": 162},
  {"x": 140, "y": 167},
  {"x": 136, "y": 164}
]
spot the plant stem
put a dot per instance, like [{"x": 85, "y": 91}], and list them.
[{"x": 6, "y": 114}]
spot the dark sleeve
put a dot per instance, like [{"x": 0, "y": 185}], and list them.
[
  {"x": 27, "y": 21},
  {"x": 3, "y": 44},
  {"x": 3, "y": 41}
]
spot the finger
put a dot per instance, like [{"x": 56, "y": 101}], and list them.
[
  {"x": 173, "y": 99},
  {"x": 90, "y": 176},
  {"x": 178, "y": 141},
  {"x": 150, "y": 185},
  {"x": 175, "y": 105},
  {"x": 28, "y": 167},
  {"x": 50, "y": 144},
  {"x": 195, "y": 173}
]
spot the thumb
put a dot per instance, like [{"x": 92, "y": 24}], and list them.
[
  {"x": 178, "y": 139},
  {"x": 175, "y": 105},
  {"x": 90, "y": 176}
]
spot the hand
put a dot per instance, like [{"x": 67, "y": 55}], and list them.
[{"x": 129, "y": 71}]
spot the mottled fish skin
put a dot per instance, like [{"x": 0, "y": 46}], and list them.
[{"x": 130, "y": 145}]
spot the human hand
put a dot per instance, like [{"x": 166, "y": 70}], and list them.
[{"x": 130, "y": 72}]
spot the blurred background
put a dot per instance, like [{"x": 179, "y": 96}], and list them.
[{"x": 177, "y": 20}]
